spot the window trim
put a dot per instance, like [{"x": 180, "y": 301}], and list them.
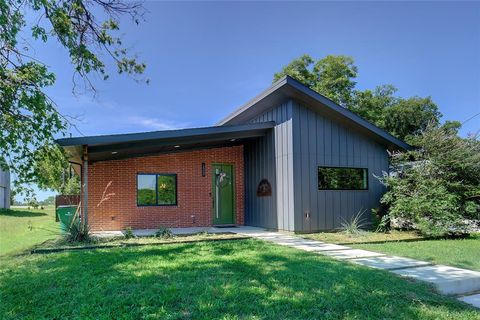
[
  {"x": 341, "y": 189},
  {"x": 156, "y": 189}
]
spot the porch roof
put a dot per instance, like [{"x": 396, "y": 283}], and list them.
[{"x": 119, "y": 146}]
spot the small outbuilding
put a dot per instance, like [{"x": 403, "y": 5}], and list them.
[{"x": 290, "y": 159}]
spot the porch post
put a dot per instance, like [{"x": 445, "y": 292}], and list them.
[{"x": 85, "y": 186}]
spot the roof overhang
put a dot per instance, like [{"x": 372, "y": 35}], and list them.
[
  {"x": 289, "y": 88},
  {"x": 120, "y": 146}
]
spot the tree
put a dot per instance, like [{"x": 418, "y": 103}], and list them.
[
  {"x": 331, "y": 76},
  {"x": 437, "y": 185},
  {"x": 371, "y": 104},
  {"x": 300, "y": 69},
  {"x": 52, "y": 171},
  {"x": 334, "y": 77},
  {"x": 49, "y": 201},
  {"x": 13, "y": 193},
  {"x": 88, "y": 30},
  {"x": 409, "y": 117}
]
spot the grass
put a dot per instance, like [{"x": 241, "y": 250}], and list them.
[
  {"x": 242, "y": 279},
  {"x": 363, "y": 237},
  {"x": 463, "y": 253},
  {"x": 21, "y": 229}
]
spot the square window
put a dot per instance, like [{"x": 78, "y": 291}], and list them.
[{"x": 156, "y": 189}]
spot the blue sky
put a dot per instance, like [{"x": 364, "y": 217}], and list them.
[{"x": 206, "y": 59}]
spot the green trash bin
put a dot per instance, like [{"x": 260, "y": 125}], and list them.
[{"x": 65, "y": 214}]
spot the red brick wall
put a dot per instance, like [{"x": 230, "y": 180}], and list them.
[{"x": 112, "y": 194}]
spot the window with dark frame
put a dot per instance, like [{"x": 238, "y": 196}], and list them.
[
  {"x": 156, "y": 189},
  {"x": 342, "y": 178}
]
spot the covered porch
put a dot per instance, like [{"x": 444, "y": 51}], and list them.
[{"x": 188, "y": 178}]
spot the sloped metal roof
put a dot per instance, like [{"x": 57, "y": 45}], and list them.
[{"x": 289, "y": 88}]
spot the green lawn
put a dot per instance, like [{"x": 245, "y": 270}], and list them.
[
  {"x": 21, "y": 229},
  {"x": 237, "y": 279},
  {"x": 463, "y": 253}
]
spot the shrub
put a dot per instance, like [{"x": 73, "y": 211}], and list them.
[
  {"x": 164, "y": 233},
  {"x": 128, "y": 233},
  {"x": 355, "y": 224},
  {"x": 78, "y": 232},
  {"x": 436, "y": 186},
  {"x": 203, "y": 233},
  {"x": 33, "y": 203},
  {"x": 381, "y": 218}
]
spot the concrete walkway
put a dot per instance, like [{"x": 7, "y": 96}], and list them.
[{"x": 465, "y": 284}]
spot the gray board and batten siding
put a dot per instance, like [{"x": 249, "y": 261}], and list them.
[
  {"x": 320, "y": 141},
  {"x": 289, "y": 158},
  {"x": 310, "y": 131},
  {"x": 271, "y": 157}
]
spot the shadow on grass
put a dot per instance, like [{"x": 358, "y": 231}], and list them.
[
  {"x": 21, "y": 213},
  {"x": 238, "y": 279}
]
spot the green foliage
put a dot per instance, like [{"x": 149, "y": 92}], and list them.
[
  {"x": 410, "y": 116},
  {"x": 13, "y": 193},
  {"x": 355, "y": 224},
  {"x": 128, "y": 233},
  {"x": 71, "y": 185},
  {"x": 49, "y": 201},
  {"x": 78, "y": 232},
  {"x": 29, "y": 119},
  {"x": 381, "y": 223},
  {"x": 166, "y": 189},
  {"x": 438, "y": 184},
  {"x": 164, "y": 233},
  {"x": 33, "y": 203},
  {"x": 334, "y": 77},
  {"x": 52, "y": 171},
  {"x": 146, "y": 197},
  {"x": 342, "y": 178}
]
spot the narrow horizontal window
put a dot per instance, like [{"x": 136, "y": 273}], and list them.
[
  {"x": 156, "y": 189},
  {"x": 340, "y": 178}
]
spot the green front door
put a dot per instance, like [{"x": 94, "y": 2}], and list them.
[{"x": 223, "y": 194}]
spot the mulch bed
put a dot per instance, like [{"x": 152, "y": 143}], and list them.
[{"x": 127, "y": 244}]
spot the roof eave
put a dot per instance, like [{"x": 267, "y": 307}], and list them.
[
  {"x": 165, "y": 134},
  {"x": 115, "y": 147}
]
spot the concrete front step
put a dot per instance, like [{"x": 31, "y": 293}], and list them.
[
  {"x": 390, "y": 262},
  {"x": 447, "y": 280}
]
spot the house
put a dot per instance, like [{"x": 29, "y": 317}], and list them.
[
  {"x": 4, "y": 189},
  {"x": 290, "y": 159}
]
